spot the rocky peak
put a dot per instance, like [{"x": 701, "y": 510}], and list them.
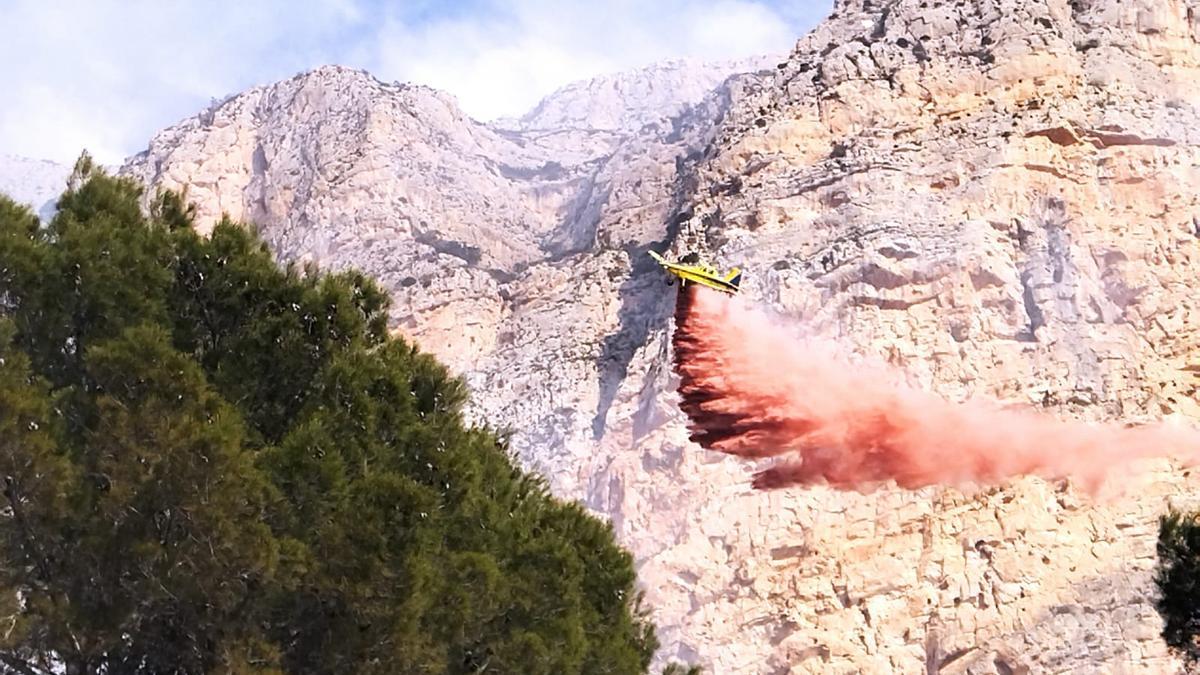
[
  {"x": 340, "y": 168},
  {"x": 1022, "y": 44},
  {"x": 628, "y": 100},
  {"x": 336, "y": 128}
]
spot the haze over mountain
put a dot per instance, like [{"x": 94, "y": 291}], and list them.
[
  {"x": 35, "y": 182},
  {"x": 999, "y": 198}
]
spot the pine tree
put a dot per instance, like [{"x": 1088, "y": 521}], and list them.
[
  {"x": 37, "y": 528},
  {"x": 1178, "y": 579},
  {"x": 215, "y": 463}
]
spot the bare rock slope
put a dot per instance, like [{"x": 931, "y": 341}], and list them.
[{"x": 998, "y": 196}]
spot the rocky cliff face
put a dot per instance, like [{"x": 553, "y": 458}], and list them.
[
  {"x": 505, "y": 250},
  {"x": 997, "y": 196}
]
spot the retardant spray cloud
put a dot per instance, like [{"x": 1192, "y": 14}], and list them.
[{"x": 752, "y": 389}]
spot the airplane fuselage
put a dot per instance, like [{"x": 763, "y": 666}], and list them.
[{"x": 704, "y": 275}]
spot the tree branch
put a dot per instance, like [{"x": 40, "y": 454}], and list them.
[
  {"x": 31, "y": 546},
  {"x": 34, "y": 552}
]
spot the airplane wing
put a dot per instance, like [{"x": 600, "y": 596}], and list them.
[{"x": 734, "y": 278}]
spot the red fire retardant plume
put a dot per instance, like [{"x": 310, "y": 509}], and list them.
[{"x": 753, "y": 390}]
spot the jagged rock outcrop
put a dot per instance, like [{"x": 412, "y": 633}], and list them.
[{"x": 998, "y": 196}]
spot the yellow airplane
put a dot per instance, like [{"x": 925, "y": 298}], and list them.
[{"x": 691, "y": 269}]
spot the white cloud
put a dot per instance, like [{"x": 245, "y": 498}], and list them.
[
  {"x": 729, "y": 30},
  {"x": 106, "y": 74},
  {"x": 503, "y": 66}
]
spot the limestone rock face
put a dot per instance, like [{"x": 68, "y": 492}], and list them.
[{"x": 999, "y": 197}]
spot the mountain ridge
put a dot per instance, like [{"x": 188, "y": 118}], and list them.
[{"x": 629, "y": 99}]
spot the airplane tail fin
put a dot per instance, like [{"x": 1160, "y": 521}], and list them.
[{"x": 734, "y": 277}]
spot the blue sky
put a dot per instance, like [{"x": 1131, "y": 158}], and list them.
[{"x": 106, "y": 74}]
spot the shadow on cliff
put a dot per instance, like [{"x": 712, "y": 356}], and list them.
[
  {"x": 1081, "y": 628},
  {"x": 646, "y": 304},
  {"x": 647, "y": 301}
]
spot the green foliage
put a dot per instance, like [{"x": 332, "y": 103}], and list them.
[
  {"x": 212, "y": 463},
  {"x": 1178, "y": 579}
]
